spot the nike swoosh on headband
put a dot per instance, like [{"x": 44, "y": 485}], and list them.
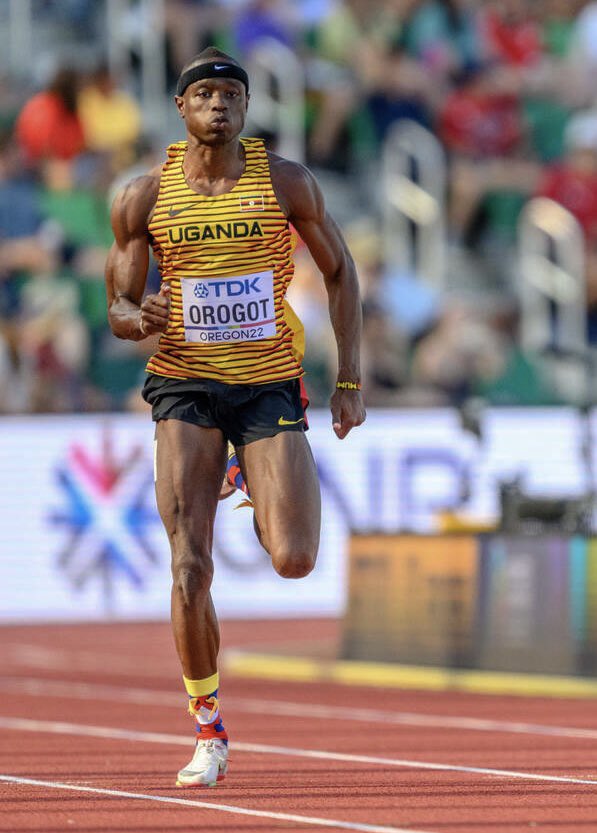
[{"x": 211, "y": 70}]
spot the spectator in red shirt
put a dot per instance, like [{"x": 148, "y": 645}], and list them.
[
  {"x": 48, "y": 126},
  {"x": 572, "y": 181},
  {"x": 481, "y": 125},
  {"x": 482, "y": 117},
  {"x": 512, "y": 35}
]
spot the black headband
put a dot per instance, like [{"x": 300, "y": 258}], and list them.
[{"x": 217, "y": 69}]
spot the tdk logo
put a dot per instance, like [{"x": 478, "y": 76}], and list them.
[
  {"x": 228, "y": 289},
  {"x": 201, "y": 290}
]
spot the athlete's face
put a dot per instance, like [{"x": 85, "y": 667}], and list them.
[{"x": 214, "y": 109}]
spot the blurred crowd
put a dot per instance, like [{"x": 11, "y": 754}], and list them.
[{"x": 507, "y": 87}]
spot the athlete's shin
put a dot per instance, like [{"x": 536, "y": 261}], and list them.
[{"x": 194, "y": 620}]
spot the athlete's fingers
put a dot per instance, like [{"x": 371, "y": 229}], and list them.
[
  {"x": 339, "y": 414},
  {"x": 157, "y": 307},
  {"x": 346, "y": 423},
  {"x": 155, "y": 311},
  {"x": 336, "y": 417},
  {"x": 348, "y": 412},
  {"x": 357, "y": 415},
  {"x": 159, "y": 321},
  {"x": 340, "y": 431},
  {"x": 161, "y": 300},
  {"x": 343, "y": 423}
]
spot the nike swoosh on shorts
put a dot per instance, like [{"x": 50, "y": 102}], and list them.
[{"x": 283, "y": 421}]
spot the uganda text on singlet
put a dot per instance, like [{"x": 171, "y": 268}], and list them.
[{"x": 228, "y": 260}]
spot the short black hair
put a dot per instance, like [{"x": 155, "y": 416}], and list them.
[{"x": 207, "y": 54}]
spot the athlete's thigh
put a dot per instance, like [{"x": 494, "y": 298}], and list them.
[
  {"x": 190, "y": 464},
  {"x": 282, "y": 479}
]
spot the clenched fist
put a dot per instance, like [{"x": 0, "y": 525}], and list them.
[{"x": 155, "y": 311}]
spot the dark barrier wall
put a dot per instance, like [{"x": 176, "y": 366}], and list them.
[{"x": 494, "y": 602}]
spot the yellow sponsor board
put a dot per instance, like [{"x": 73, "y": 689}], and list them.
[
  {"x": 591, "y": 599},
  {"x": 412, "y": 598}
]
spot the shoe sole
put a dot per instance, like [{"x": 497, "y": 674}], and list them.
[{"x": 198, "y": 784}]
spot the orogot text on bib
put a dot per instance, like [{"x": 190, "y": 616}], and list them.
[{"x": 229, "y": 310}]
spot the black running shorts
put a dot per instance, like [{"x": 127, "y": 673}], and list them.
[{"x": 244, "y": 413}]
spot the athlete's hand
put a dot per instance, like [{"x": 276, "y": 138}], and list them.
[
  {"x": 155, "y": 311},
  {"x": 348, "y": 411}
]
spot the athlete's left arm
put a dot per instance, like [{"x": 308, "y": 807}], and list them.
[{"x": 300, "y": 197}]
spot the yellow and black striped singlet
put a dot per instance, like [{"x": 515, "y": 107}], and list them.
[{"x": 228, "y": 260}]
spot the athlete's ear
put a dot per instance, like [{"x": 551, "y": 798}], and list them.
[{"x": 179, "y": 101}]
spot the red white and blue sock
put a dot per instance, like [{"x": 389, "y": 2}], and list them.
[
  {"x": 205, "y": 708},
  {"x": 233, "y": 473}
]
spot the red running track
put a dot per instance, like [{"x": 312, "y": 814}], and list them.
[{"x": 93, "y": 729}]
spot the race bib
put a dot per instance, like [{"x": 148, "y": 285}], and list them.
[{"x": 229, "y": 310}]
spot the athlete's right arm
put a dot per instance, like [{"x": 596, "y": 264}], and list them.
[{"x": 131, "y": 316}]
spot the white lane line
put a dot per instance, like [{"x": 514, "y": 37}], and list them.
[
  {"x": 145, "y": 697},
  {"x": 55, "y": 659},
  {"x": 209, "y": 805},
  {"x": 62, "y": 728}
]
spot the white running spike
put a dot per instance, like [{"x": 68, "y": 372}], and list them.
[{"x": 208, "y": 765}]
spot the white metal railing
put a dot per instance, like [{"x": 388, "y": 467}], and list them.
[
  {"x": 553, "y": 293},
  {"x": 140, "y": 27},
  {"x": 414, "y": 185},
  {"x": 20, "y": 24},
  {"x": 278, "y": 96},
  {"x": 130, "y": 27}
]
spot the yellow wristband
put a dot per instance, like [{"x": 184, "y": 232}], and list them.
[{"x": 348, "y": 385}]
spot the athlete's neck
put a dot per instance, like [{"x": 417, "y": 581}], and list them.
[{"x": 213, "y": 170}]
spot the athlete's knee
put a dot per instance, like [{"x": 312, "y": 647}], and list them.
[
  {"x": 294, "y": 562},
  {"x": 192, "y": 574}
]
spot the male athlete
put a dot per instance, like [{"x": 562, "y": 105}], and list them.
[{"x": 217, "y": 214}]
